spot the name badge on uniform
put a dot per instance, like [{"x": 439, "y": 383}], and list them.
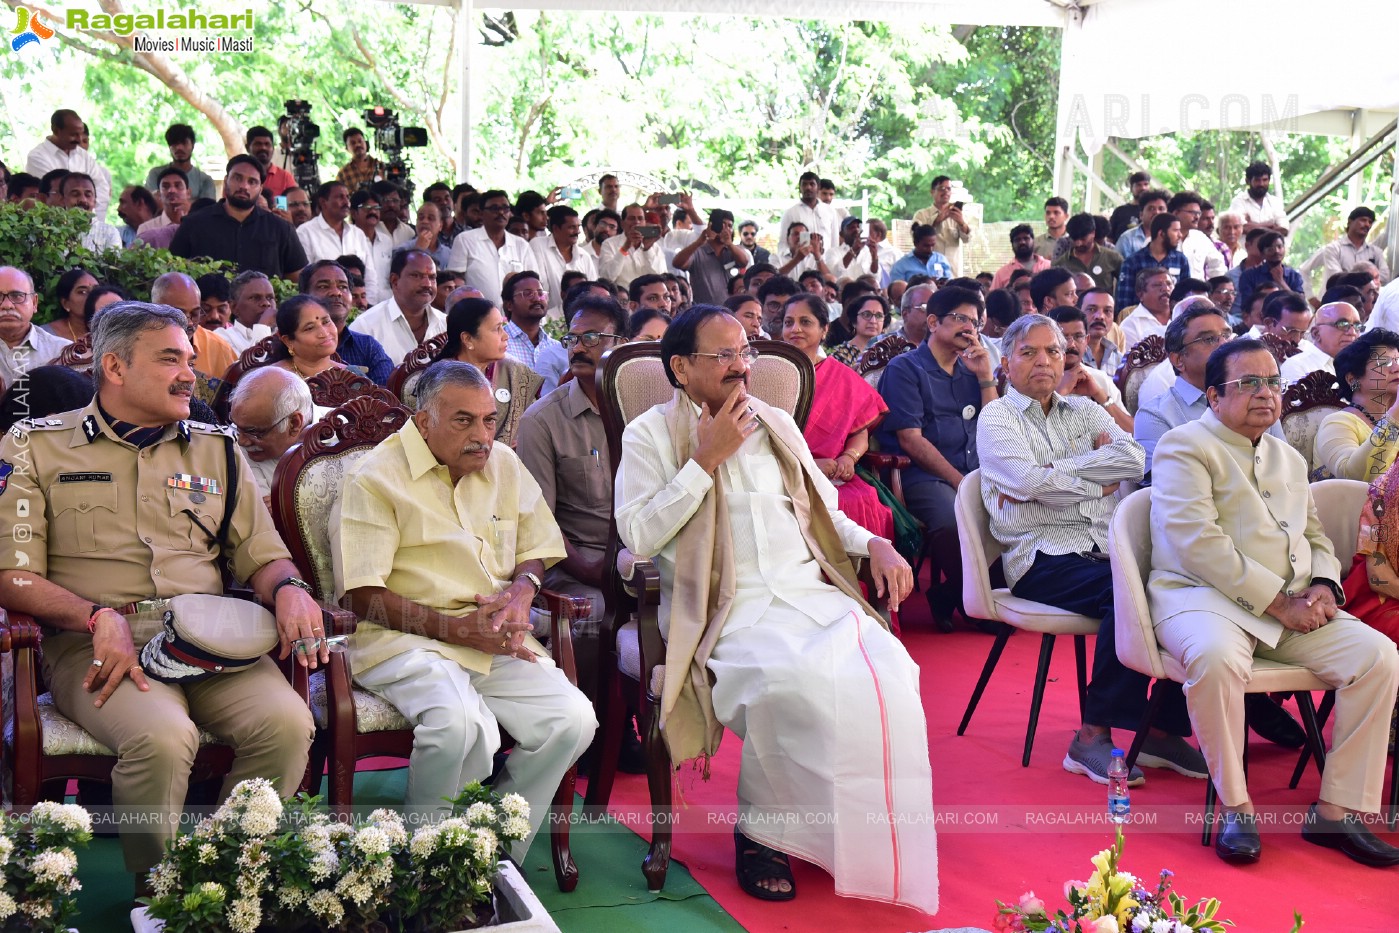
[
  {"x": 197, "y": 484},
  {"x": 84, "y": 477},
  {"x": 1174, "y": 270},
  {"x": 502, "y": 395}
]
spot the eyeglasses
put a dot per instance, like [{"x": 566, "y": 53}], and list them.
[
  {"x": 591, "y": 339},
  {"x": 1253, "y": 384},
  {"x": 1384, "y": 362},
  {"x": 531, "y": 293},
  {"x": 1209, "y": 341},
  {"x": 726, "y": 356},
  {"x": 258, "y": 434},
  {"x": 963, "y": 319},
  {"x": 1294, "y": 332},
  {"x": 1075, "y": 338},
  {"x": 871, "y": 315},
  {"x": 923, "y": 308},
  {"x": 16, "y": 298},
  {"x": 1343, "y": 326}
]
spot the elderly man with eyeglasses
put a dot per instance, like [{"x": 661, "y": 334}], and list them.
[
  {"x": 768, "y": 634},
  {"x": 1241, "y": 568},
  {"x": 1335, "y": 326}
]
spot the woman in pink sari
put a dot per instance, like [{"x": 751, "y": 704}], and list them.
[{"x": 844, "y": 409}]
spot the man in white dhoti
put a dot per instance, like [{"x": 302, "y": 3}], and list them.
[
  {"x": 768, "y": 635},
  {"x": 1242, "y": 568}
]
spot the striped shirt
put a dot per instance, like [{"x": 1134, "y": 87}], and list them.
[{"x": 1041, "y": 479}]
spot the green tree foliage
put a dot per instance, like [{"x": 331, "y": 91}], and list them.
[{"x": 40, "y": 241}]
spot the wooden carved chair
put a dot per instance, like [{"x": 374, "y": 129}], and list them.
[
  {"x": 1305, "y": 404},
  {"x": 1137, "y": 364},
  {"x": 352, "y": 723},
  {"x": 631, "y": 380},
  {"x": 1280, "y": 347},
  {"x": 76, "y": 356},
  {"x": 335, "y": 387},
  {"x": 870, "y": 364},
  {"x": 259, "y": 354},
  {"x": 43, "y": 749},
  {"x": 404, "y": 379}
]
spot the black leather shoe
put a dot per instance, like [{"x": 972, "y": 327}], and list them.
[
  {"x": 1272, "y": 722},
  {"x": 1352, "y": 837},
  {"x": 1237, "y": 840}
]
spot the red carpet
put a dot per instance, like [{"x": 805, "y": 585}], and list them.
[{"x": 1044, "y": 823}]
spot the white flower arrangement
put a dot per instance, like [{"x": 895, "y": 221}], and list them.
[
  {"x": 38, "y": 867},
  {"x": 256, "y": 863}
]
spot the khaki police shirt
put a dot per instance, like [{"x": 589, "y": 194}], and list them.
[
  {"x": 402, "y": 525},
  {"x": 103, "y": 519}
]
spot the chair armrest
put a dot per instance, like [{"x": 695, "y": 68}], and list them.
[
  {"x": 21, "y": 639},
  {"x": 19, "y": 631},
  {"x": 564, "y": 610},
  {"x": 337, "y": 621},
  {"x": 646, "y": 579},
  {"x": 877, "y": 462}
]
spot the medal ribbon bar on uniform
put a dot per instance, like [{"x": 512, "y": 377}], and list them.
[{"x": 196, "y": 483}]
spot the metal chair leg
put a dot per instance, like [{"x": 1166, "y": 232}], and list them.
[
  {"x": 1041, "y": 677},
  {"x": 1309, "y": 723},
  {"x": 995, "y": 655},
  {"x": 1153, "y": 703},
  {"x": 1081, "y": 662},
  {"x": 1323, "y": 713}
]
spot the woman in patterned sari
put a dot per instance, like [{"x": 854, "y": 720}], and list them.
[
  {"x": 844, "y": 408},
  {"x": 476, "y": 335}
]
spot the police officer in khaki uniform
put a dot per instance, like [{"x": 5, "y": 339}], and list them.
[{"x": 106, "y": 512}]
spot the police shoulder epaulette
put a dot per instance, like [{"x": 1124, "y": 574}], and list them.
[
  {"x": 25, "y": 425},
  {"x": 200, "y": 427}
]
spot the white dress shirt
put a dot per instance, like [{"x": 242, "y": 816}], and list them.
[
  {"x": 321, "y": 242},
  {"x": 38, "y": 348},
  {"x": 1309, "y": 360},
  {"x": 403, "y": 234},
  {"x": 241, "y": 337},
  {"x": 1386, "y": 312},
  {"x": 819, "y": 218},
  {"x": 548, "y": 261},
  {"x": 46, "y": 157},
  {"x": 484, "y": 266},
  {"x": 1271, "y": 211},
  {"x": 157, "y": 222},
  {"x": 376, "y": 285},
  {"x": 621, "y": 267},
  {"x": 385, "y": 323},
  {"x": 1341, "y": 256},
  {"x": 101, "y": 236},
  {"x": 1206, "y": 261},
  {"x": 1139, "y": 325}
]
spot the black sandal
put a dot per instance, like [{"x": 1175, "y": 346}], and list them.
[{"x": 755, "y": 862}]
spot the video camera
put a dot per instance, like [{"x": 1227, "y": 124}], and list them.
[
  {"x": 302, "y": 134},
  {"x": 391, "y": 139}
]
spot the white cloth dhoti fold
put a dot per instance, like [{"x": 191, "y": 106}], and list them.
[
  {"x": 457, "y": 716},
  {"x": 835, "y": 749}
]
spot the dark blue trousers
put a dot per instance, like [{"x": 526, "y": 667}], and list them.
[{"x": 1116, "y": 695}]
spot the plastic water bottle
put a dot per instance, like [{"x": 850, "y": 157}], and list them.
[{"x": 1119, "y": 799}]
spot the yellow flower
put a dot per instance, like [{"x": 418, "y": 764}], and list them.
[{"x": 1101, "y": 861}]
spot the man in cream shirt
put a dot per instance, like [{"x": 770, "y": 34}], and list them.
[
  {"x": 442, "y": 538},
  {"x": 1242, "y": 569}
]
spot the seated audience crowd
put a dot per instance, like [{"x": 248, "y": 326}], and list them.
[{"x": 490, "y": 317}]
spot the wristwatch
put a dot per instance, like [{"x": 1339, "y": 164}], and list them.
[
  {"x": 534, "y": 580},
  {"x": 293, "y": 581}
]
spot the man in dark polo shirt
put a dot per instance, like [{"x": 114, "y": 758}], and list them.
[
  {"x": 709, "y": 256},
  {"x": 935, "y": 394},
  {"x": 239, "y": 231}
]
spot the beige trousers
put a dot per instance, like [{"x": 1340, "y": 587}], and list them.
[
  {"x": 1359, "y": 662},
  {"x": 155, "y": 735}
]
